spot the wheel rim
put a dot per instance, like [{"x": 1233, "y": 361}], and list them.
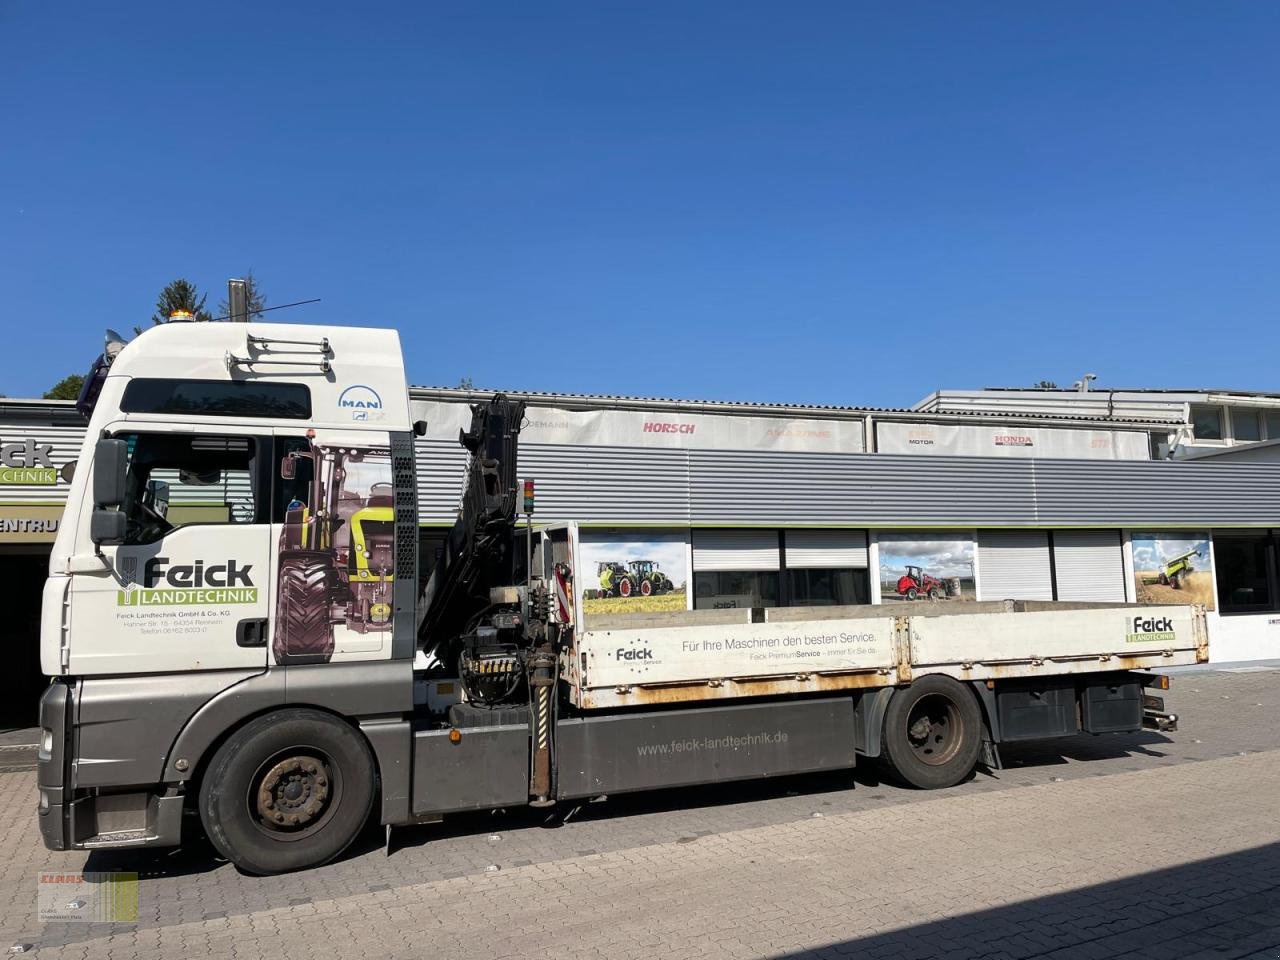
[
  {"x": 646, "y": 588},
  {"x": 294, "y": 794},
  {"x": 624, "y": 588},
  {"x": 935, "y": 729}
]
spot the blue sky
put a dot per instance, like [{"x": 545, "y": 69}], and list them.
[{"x": 818, "y": 202}]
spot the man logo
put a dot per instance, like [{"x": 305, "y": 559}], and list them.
[{"x": 362, "y": 402}]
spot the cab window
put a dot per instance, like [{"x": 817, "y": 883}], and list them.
[{"x": 177, "y": 480}]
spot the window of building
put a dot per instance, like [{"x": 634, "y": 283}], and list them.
[
  {"x": 1271, "y": 420},
  {"x": 828, "y": 588},
  {"x": 727, "y": 589},
  {"x": 1206, "y": 422},
  {"x": 217, "y": 398},
  {"x": 1246, "y": 569},
  {"x": 178, "y": 479},
  {"x": 1245, "y": 424}
]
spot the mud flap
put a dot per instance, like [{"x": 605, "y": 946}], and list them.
[{"x": 989, "y": 756}]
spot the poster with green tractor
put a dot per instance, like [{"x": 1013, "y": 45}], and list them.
[
  {"x": 628, "y": 571},
  {"x": 1172, "y": 567}
]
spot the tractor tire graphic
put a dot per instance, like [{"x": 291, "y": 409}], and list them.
[{"x": 303, "y": 633}]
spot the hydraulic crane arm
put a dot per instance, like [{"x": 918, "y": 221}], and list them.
[{"x": 479, "y": 551}]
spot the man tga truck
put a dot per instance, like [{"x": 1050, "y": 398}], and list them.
[{"x": 264, "y": 659}]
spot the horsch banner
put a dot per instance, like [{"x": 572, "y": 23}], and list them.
[
  {"x": 974, "y": 440},
  {"x": 671, "y": 430}
]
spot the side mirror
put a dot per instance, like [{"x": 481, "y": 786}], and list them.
[
  {"x": 107, "y": 526},
  {"x": 288, "y": 468},
  {"x": 110, "y": 464}
]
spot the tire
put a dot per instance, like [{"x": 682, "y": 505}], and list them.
[
  {"x": 935, "y": 593},
  {"x": 646, "y": 588},
  {"x": 624, "y": 588},
  {"x": 262, "y": 761},
  {"x": 303, "y": 633},
  {"x": 1176, "y": 581},
  {"x": 944, "y": 750},
  {"x": 911, "y": 593}
]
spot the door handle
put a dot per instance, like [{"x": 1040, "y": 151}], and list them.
[{"x": 252, "y": 633}]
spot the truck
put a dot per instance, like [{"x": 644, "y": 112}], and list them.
[{"x": 239, "y": 642}]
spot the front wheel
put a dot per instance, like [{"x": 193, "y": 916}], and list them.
[
  {"x": 932, "y": 733},
  {"x": 287, "y": 791}
]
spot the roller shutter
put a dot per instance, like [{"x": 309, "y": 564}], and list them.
[
  {"x": 735, "y": 550},
  {"x": 1014, "y": 565},
  {"x": 1089, "y": 565},
  {"x": 826, "y": 549}
]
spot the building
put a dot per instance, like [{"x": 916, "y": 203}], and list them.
[
  {"x": 687, "y": 505},
  {"x": 1207, "y": 419}
]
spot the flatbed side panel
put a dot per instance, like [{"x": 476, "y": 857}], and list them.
[
  {"x": 716, "y": 651},
  {"x": 644, "y": 751},
  {"x": 1056, "y": 641}
]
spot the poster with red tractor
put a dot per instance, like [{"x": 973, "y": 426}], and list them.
[{"x": 925, "y": 567}]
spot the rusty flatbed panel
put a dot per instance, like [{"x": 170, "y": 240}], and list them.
[{"x": 855, "y": 648}]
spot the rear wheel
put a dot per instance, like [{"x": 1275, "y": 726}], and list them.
[
  {"x": 646, "y": 588},
  {"x": 932, "y": 733},
  {"x": 287, "y": 791}
]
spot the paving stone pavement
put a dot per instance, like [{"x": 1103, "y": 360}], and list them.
[{"x": 1141, "y": 846}]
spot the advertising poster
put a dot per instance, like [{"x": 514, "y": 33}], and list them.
[
  {"x": 925, "y": 566},
  {"x": 633, "y": 571},
  {"x": 1172, "y": 567}
]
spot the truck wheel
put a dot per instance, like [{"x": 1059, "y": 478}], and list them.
[
  {"x": 932, "y": 733},
  {"x": 287, "y": 791}
]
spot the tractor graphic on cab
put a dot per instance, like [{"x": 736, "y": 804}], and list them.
[{"x": 337, "y": 550}]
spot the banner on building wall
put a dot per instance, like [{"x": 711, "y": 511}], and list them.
[
  {"x": 1172, "y": 566},
  {"x": 633, "y": 571},
  {"x": 32, "y": 523},
  {"x": 642, "y": 428},
  {"x": 34, "y": 462},
  {"x": 926, "y": 566},
  {"x": 973, "y": 440}
]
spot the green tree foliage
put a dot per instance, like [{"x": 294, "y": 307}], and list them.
[
  {"x": 68, "y": 388},
  {"x": 253, "y": 293}
]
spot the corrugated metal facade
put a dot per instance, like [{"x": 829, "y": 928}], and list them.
[{"x": 622, "y": 485}]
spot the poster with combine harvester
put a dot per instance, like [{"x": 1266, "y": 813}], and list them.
[
  {"x": 1172, "y": 567},
  {"x": 337, "y": 556},
  {"x": 632, "y": 571},
  {"x": 925, "y": 566}
]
